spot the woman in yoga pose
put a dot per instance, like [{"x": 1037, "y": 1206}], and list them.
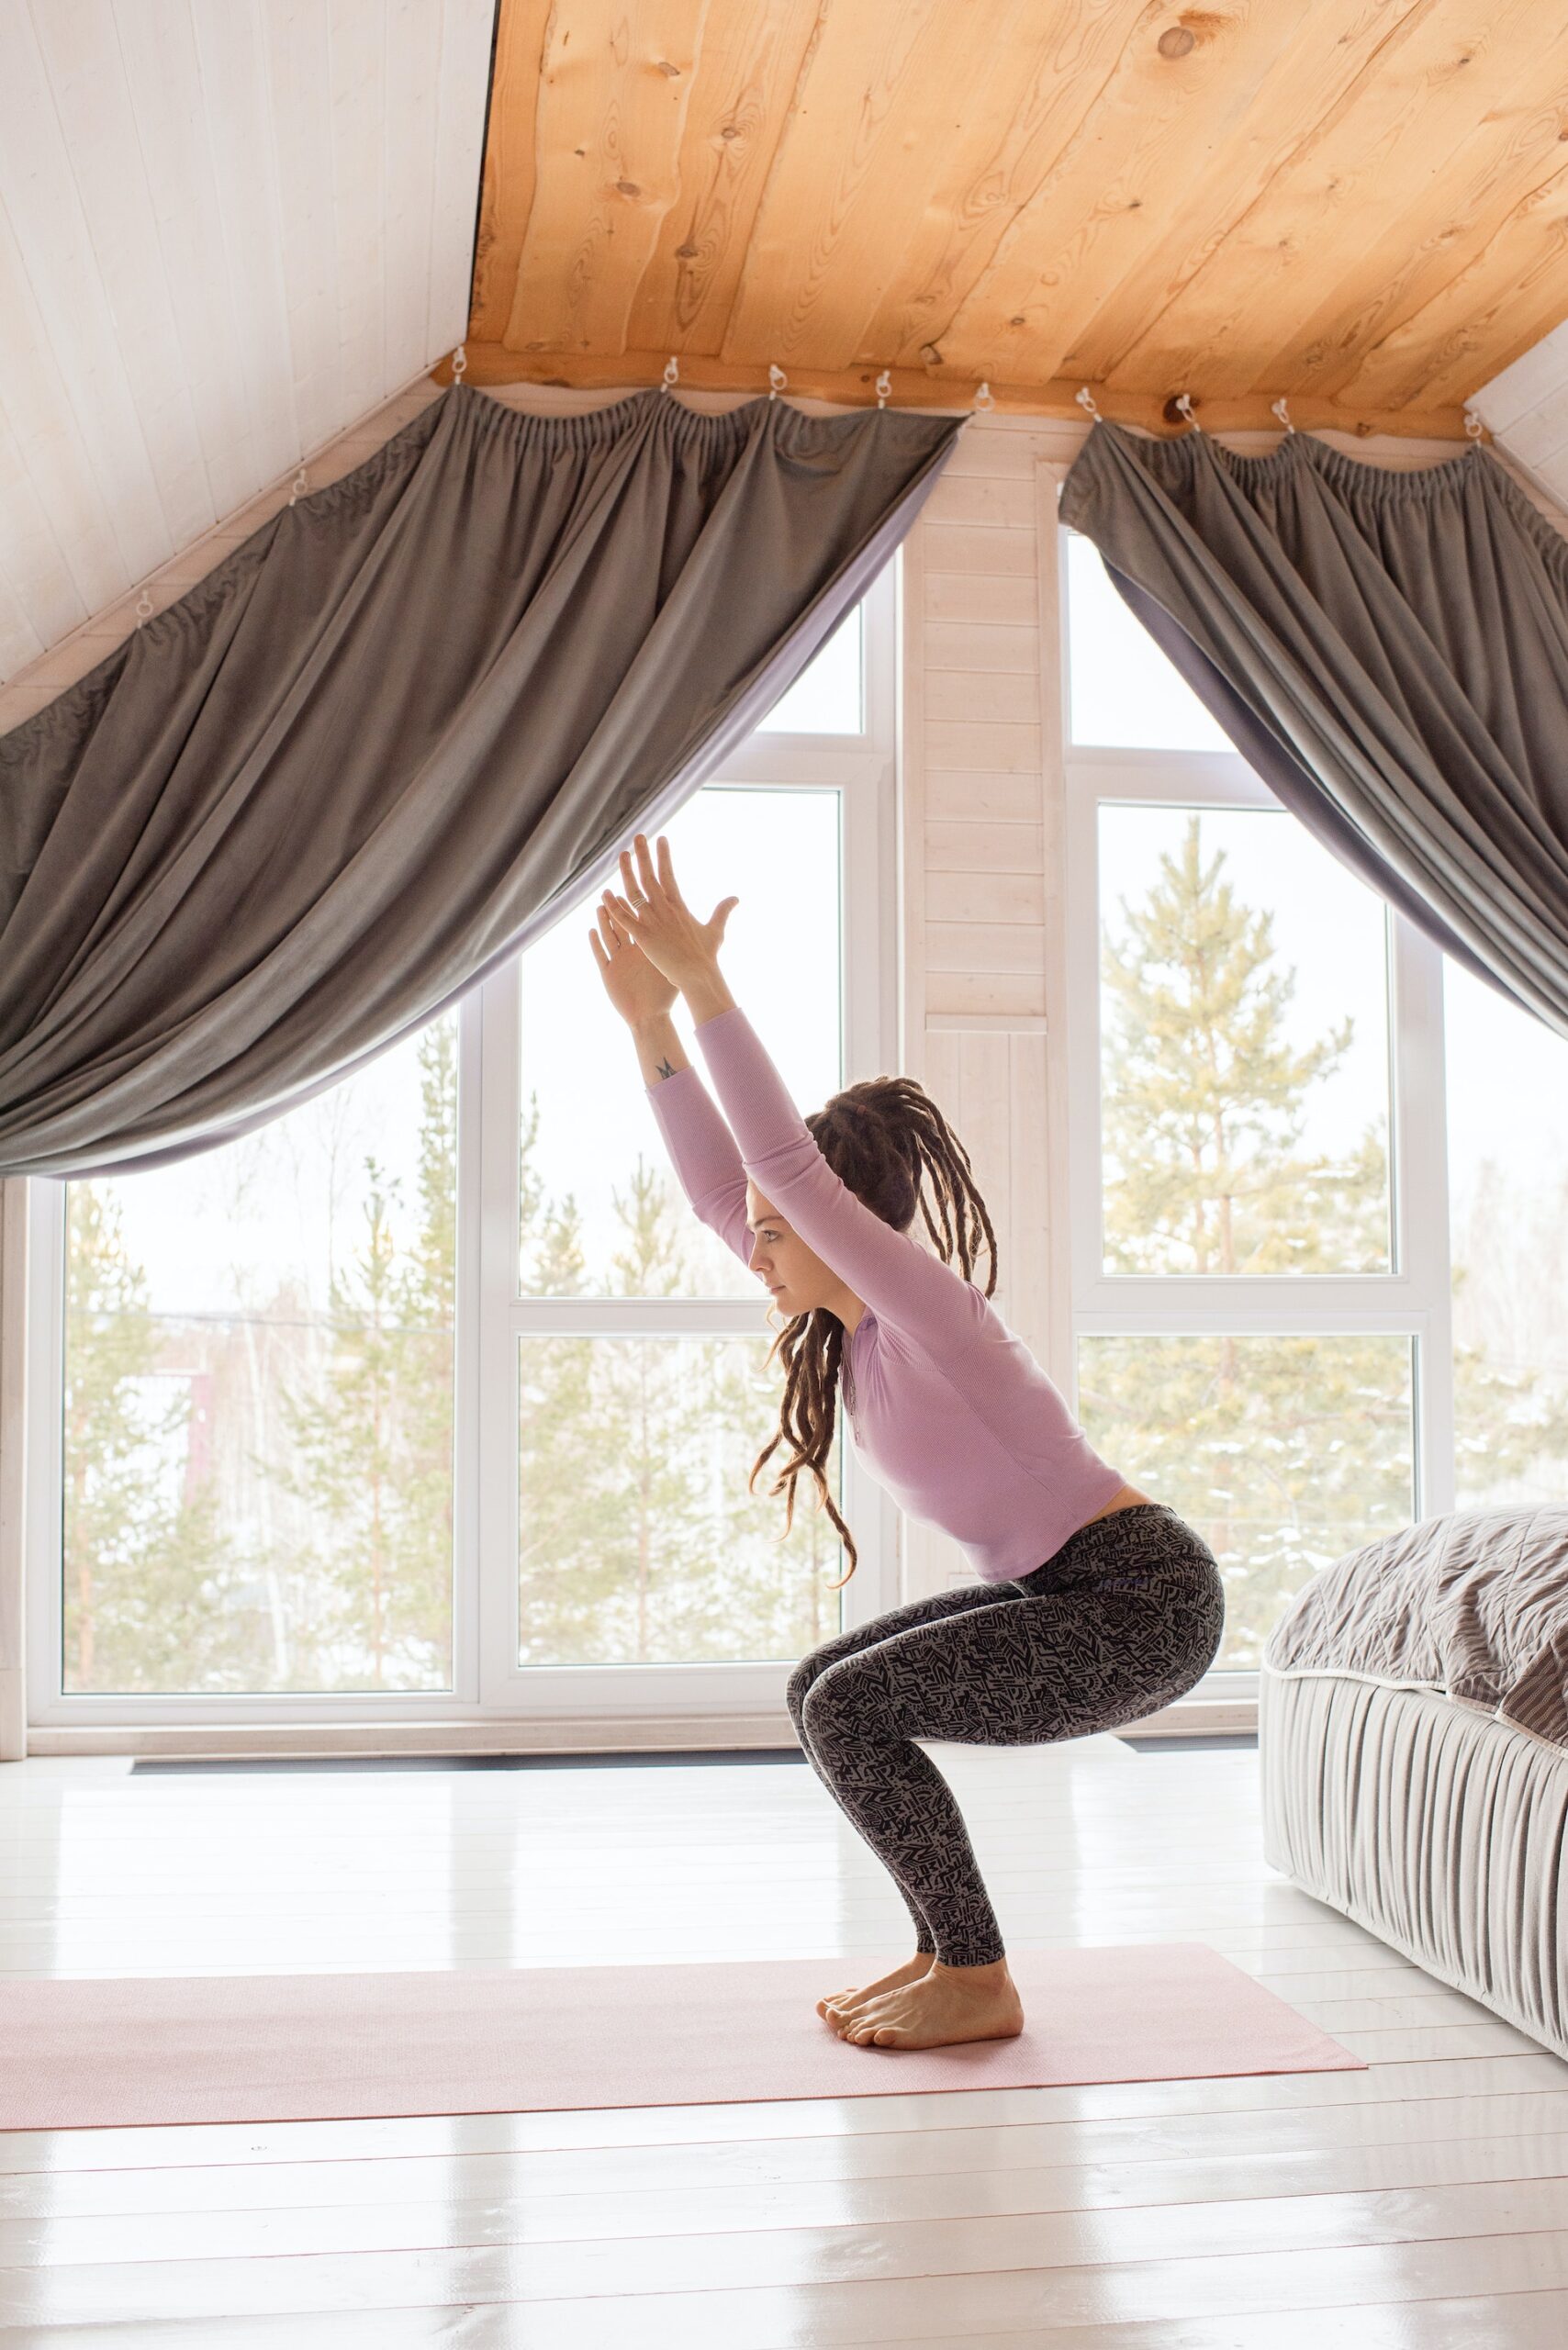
[{"x": 1095, "y": 1605}]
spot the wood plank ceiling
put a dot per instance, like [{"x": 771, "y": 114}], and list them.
[{"x": 1359, "y": 206}]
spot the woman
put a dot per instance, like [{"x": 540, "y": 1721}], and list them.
[{"x": 1095, "y": 1604}]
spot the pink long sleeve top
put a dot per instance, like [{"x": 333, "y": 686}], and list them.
[{"x": 948, "y": 1409}]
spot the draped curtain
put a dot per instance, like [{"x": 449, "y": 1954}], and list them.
[
  {"x": 398, "y": 733},
  {"x": 1387, "y": 648}
]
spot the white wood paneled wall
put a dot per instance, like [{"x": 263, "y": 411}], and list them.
[
  {"x": 227, "y": 229},
  {"x": 1526, "y": 407},
  {"x": 982, "y": 790}
]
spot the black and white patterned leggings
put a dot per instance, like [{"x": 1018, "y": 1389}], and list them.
[{"x": 1127, "y": 1616}]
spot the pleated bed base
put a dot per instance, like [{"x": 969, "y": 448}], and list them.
[
  {"x": 1436, "y": 1827},
  {"x": 79, "y": 2053}
]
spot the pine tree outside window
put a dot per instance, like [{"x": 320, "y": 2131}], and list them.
[{"x": 433, "y": 1399}]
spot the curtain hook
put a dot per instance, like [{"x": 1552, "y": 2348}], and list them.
[
  {"x": 144, "y": 606},
  {"x": 459, "y": 362},
  {"x": 672, "y": 373},
  {"x": 777, "y": 379},
  {"x": 1473, "y": 424},
  {"x": 984, "y": 397},
  {"x": 884, "y": 386},
  {"x": 1280, "y": 407},
  {"x": 301, "y": 486},
  {"x": 1085, "y": 399},
  {"x": 1184, "y": 406}
]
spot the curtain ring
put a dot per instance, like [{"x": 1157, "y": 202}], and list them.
[
  {"x": 301, "y": 486},
  {"x": 1473, "y": 424},
  {"x": 1184, "y": 406},
  {"x": 144, "y": 606},
  {"x": 1085, "y": 399},
  {"x": 1280, "y": 407},
  {"x": 459, "y": 362},
  {"x": 884, "y": 386},
  {"x": 777, "y": 379},
  {"x": 672, "y": 373},
  {"x": 984, "y": 397}
]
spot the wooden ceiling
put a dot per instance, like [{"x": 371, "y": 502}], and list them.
[{"x": 1359, "y": 204}]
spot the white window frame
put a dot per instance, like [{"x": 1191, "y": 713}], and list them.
[
  {"x": 489, "y": 1687},
  {"x": 1415, "y": 1300}
]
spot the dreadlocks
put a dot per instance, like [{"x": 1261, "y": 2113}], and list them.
[{"x": 887, "y": 1140}]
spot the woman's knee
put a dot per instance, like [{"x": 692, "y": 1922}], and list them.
[
  {"x": 800, "y": 1682},
  {"x": 840, "y": 1703}
]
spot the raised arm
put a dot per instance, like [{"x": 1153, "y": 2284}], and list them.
[
  {"x": 703, "y": 1152},
  {"x": 906, "y": 1286},
  {"x": 903, "y": 1283}
]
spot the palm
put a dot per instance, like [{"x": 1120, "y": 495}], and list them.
[
  {"x": 635, "y": 986},
  {"x": 649, "y": 944}
]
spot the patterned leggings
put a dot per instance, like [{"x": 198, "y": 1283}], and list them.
[{"x": 1127, "y": 1615}]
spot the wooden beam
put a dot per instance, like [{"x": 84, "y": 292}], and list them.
[{"x": 491, "y": 364}]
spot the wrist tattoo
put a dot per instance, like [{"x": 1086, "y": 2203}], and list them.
[{"x": 664, "y": 1069}]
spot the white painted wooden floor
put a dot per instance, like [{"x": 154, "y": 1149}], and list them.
[{"x": 1421, "y": 2202}]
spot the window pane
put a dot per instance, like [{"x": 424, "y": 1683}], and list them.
[
  {"x": 1244, "y": 1047},
  {"x": 828, "y": 696},
  {"x": 639, "y": 1542},
  {"x": 602, "y": 1213},
  {"x": 1121, "y": 691},
  {"x": 1284, "y": 1452},
  {"x": 258, "y": 1410},
  {"x": 1508, "y": 1126}
]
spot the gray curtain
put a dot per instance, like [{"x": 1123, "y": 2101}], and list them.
[
  {"x": 395, "y": 736},
  {"x": 1388, "y": 649}
]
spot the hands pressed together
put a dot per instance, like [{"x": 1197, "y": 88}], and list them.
[{"x": 649, "y": 945}]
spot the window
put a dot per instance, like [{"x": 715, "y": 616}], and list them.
[
  {"x": 433, "y": 1397},
  {"x": 829, "y": 695},
  {"x": 1261, "y": 1319},
  {"x": 255, "y": 1436},
  {"x": 637, "y": 1538},
  {"x": 1507, "y": 1159}
]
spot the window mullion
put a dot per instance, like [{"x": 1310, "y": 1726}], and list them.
[
  {"x": 493, "y": 1587},
  {"x": 1420, "y": 1191},
  {"x": 1252, "y": 1302}
]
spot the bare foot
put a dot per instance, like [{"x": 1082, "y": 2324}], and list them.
[
  {"x": 947, "y": 2004},
  {"x": 840, "y": 2003}
]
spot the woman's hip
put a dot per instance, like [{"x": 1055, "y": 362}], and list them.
[
  {"x": 1125, "y": 1552},
  {"x": 1145, "y": 1570}
]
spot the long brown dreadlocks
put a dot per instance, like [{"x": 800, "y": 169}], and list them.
[{"x": 886, "y": 1138}]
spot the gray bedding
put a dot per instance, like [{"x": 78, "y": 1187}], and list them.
[{"x": 1473, "y": 1606}]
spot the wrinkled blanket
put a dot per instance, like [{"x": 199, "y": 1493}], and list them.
[{"x": 1474, "y": 1604}]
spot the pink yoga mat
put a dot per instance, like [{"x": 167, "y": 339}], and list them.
[{"x": 84, "y": 2054}]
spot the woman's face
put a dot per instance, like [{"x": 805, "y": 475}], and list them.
[{"x": 795, "y": 1275}]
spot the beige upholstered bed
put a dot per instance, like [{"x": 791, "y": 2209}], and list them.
[{"x": 1412, "y": 1746}]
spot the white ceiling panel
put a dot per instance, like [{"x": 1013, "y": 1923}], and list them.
[{"x": 229, "y": 229}]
